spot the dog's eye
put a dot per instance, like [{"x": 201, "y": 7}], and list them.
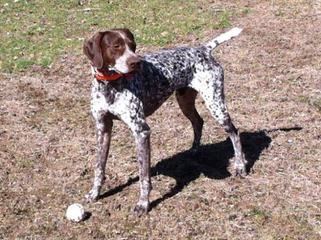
[{"x": 117, "y": 46}]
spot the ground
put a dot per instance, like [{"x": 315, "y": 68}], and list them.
[{"x": 273, "y": 91}]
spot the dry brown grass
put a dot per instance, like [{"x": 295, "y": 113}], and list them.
[{"x": 273, "y": 88}]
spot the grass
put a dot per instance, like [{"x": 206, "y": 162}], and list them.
[
  {"x": 313, "y": 101},
  {"x": 36, "y": 32},
  {"x": 316, "y": 102},
  {"x": 259, "y": 215},
  {"x": 224, "y": 19}
]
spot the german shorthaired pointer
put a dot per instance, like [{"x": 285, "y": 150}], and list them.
[{"x": 130, "y": 88}]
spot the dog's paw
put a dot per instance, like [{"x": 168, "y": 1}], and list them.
[
  {"x": 92, "y": 196},
  {"x": 240, "y": 170},
  {"x": 141, "y": 208}
]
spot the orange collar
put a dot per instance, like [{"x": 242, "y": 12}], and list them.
[{"x": 113, "y": 76}]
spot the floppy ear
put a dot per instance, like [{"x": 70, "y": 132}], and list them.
[
  {"x": 92, "y": 50},
  {"x": 129, "y": 35}
]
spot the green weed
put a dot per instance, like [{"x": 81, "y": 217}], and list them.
[{"x": 224, "y": 19}]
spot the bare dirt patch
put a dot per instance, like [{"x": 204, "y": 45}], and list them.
[{"x": 273, "y": 88}]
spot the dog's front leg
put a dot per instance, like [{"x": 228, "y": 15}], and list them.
[
  {"x": 142, "y": 138},
  {"x": 104, "y": 127}
]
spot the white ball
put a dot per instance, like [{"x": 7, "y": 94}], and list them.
[{"x": 75, "y": 212}]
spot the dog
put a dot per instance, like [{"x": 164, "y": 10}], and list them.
[{"x": 129, "y": 87}]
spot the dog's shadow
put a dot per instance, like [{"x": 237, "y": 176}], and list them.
[{"x": 211, "y": 160}]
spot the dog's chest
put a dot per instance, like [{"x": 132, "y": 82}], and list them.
[{"x": 105, "y": 97}]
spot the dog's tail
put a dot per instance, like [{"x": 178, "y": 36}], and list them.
[{"x": 223, "y": 38}]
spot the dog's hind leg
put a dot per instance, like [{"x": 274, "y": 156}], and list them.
[
  {"x": 186, "y": 101},
  {"x": 213, "y": 94}
]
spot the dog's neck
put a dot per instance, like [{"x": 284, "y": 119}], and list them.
[{"x": 109, "y": 74}]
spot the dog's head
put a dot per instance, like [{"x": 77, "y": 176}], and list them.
[{"x": 112, "y": 49}]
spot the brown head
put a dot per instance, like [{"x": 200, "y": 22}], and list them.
[{"x": 112, "y": 49}]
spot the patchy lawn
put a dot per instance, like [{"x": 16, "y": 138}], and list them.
[{"x": 36, "y": 32}]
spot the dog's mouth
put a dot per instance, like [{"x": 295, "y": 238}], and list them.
[
  {"x": 122, "y": 73},
  {"x": 125, "y": 65},
  {"x": 133, "y": 68}
]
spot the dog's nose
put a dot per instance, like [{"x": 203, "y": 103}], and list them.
[{"x": 133, "y": 62}]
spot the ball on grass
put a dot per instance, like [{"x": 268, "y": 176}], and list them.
[{"x": 75, "y": 212}]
